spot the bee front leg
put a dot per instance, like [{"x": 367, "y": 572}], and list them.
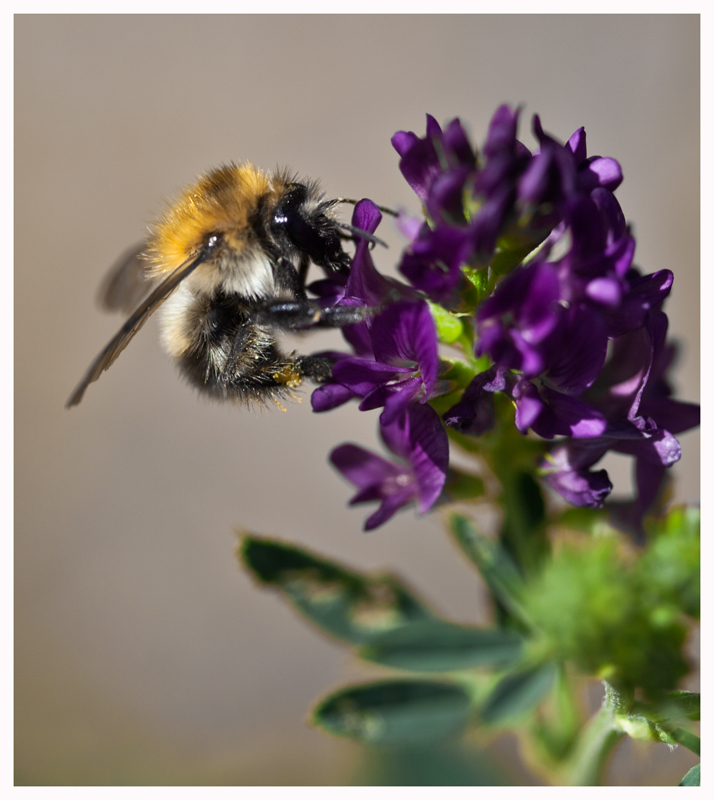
[{"x": 296, "y": 315}]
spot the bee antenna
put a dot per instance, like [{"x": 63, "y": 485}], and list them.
[
  {"x": 383, "y": 209},
  {"x": 361, "y": 234}
]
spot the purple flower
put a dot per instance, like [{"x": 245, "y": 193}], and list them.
[
  {"x": 419, "y": 441},
  {"x": 405, "y": 364},
  {"x": 561, "y": 176},
  {"x": 467, "y": 204},
  {"x": 432, "y": 262},
  {"x": 514, "y": 323},
  {"x": 567, "y": 471},
  {"x": 364, "y": 286},
  {"x": 424, "y": 160},
  {"x": 633, "y": 396},
  {"x": 550, "y": 413}
]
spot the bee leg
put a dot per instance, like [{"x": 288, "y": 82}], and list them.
[
  {"x": 317, "y": 368},
  {"x": 295, "y": 315},
  {"x": 288, "y": 278}
]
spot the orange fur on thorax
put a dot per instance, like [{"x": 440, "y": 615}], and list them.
[{"x": 221, "y": 201}]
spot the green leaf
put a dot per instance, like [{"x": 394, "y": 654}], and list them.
[
  {"x": 451, "y": 764},
  {"x": 556, "y": 728},
  {"x": 692, "y": 778},
  {"x": 518, "y": 693},
  {"x": 348, "y": 605},
  {"x": 399, "y": 712},
  {"x": 449, "y": 327},
  {"x": 437, "y": 646},
  {"x": 496, "y": 566}
]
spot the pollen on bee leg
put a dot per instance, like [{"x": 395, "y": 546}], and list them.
[{"x": 290, "y": 375}]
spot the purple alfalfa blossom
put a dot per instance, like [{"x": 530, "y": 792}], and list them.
[
  {"x": 424, "y": 160},
  {"x": 418, "y": 439},
  {"x": 567, "y": 472},
  {"x": 525, "y": 325},
  {"x": 405, "y": 366},
  {"x": 558, "y": 174},
  {"x": 467, "y": 204},
  {"x": 547, "y": 412},
  {"x": 632, "y": 394},
  {"x": 365, "y": 286}
]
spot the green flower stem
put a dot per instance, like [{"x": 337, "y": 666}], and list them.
[{"x": 597, "y": 742}]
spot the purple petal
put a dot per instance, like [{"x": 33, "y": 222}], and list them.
[
  {"x": 408, "y": 225},
  {"x": 396, "y": 402},
  {"x": 581, "y": 488},
  {"x": 400, "y": 392},
  {"x": 362, "y": 375},
  {"x": 604, "y": 172},
  {"x": 419, "y": 437},
  {"x": 576, "y": 352},
  {"x": 329, "y": 396},
  {"x": 405, "y": 332},
  {"x": 605, "y": 291},
  {"x": 365, "y": 283},
  {"x": 577, "y": 146},
  {"x": 456, "y": 144},
  {"x": 501, "y": 131},
  {"x": 575, "y": 418},
  {"x": 529, "y": 408},
  {"x": 389, "y": 507}
]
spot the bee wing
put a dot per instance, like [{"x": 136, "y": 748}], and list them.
[
  {"x": 126, "y": 284},
  {"x": 128, "y": 330}
]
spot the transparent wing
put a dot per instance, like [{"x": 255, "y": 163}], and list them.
[
  {"x": 126, "y": 284},
  {"x": 128, "y": 330}
]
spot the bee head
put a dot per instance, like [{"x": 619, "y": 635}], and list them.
[{"x": 301, "y": 220}]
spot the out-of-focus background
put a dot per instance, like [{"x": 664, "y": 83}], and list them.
[{"x": 144, "y": 654}]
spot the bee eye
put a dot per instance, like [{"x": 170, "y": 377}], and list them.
[{"x": 211, "y": 243}]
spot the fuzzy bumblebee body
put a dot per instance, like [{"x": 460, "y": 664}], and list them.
[{"x": 228, "y": 262}]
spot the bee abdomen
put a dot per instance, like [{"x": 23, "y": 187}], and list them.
[{"x": 227, "y": 356}]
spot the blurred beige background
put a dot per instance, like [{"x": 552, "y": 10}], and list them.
[{"x": 143, "y": 653}]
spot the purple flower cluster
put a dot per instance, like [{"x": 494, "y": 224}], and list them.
[
  {"x": 573, "y": 331},
  {"x": 394, "y": 367}
]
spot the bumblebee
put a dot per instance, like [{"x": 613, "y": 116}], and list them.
[{"x": 227, "y": 263}]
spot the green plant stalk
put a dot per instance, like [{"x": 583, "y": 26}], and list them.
[{"x": 596, "y": 743}]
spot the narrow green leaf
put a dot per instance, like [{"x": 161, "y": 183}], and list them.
[
  {"x": 518, "y": 693},
  {"x": 349, "y": 605},
  {"x": 687, "y": 739},
  {"x": 436, "y": 646},
  {"x": 400, "y": 712},
  {"x": 496, "y": 566},
  {"x": 692, "y": 778},
  {"x": 556, "y": 730}
]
